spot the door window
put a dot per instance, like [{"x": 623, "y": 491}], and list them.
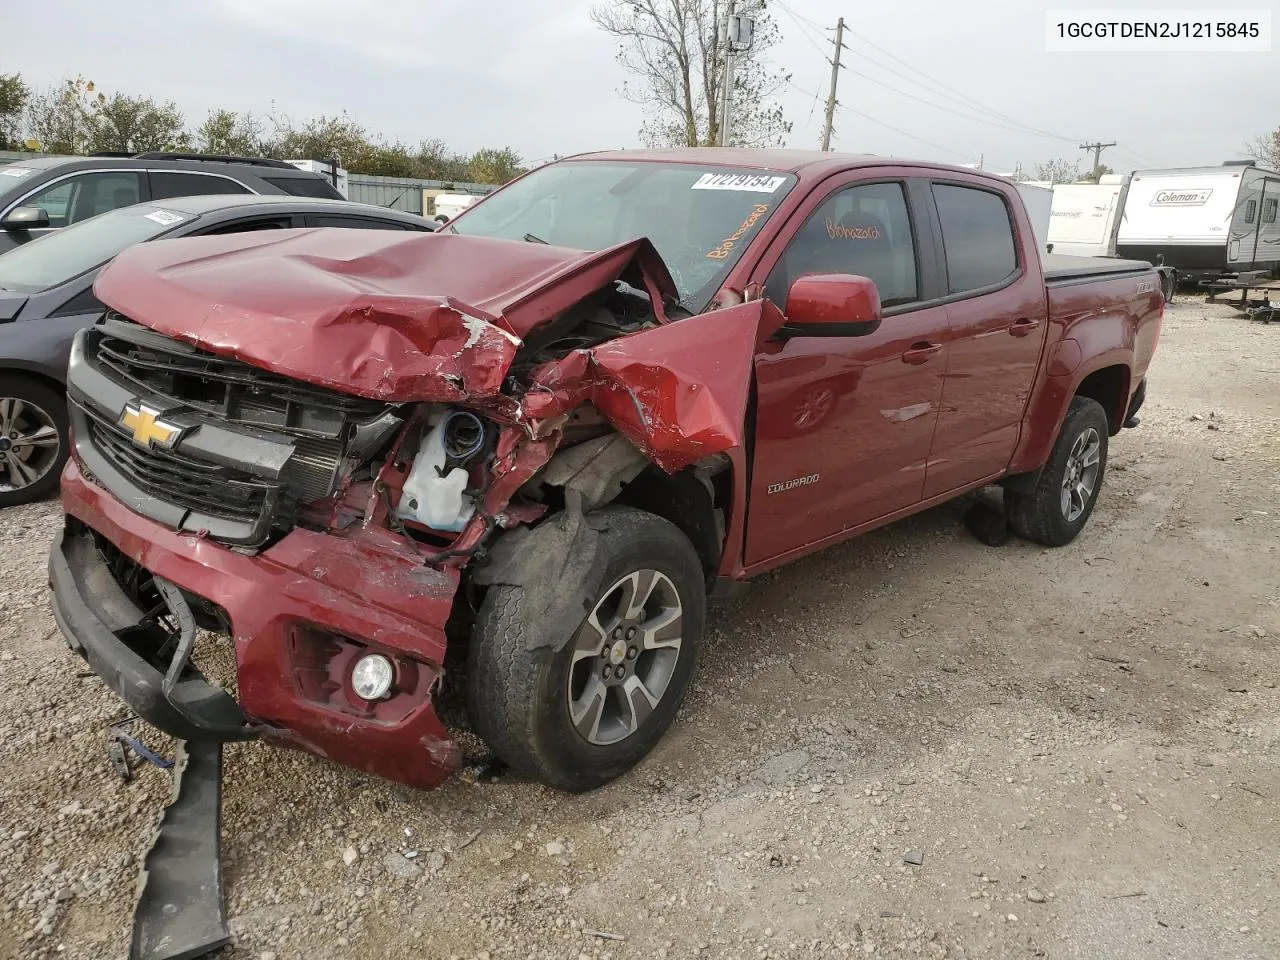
[
  {"x": 355, "y": 223},
  {"x": 863, "y": 230},
  {"x": 250, "y": 226},
  {"x": 1269, "y": 210},
  {"x": 977, "y": 237},
  {"x": 166, "y": 185},
  {"x": 1251, "y": 211},
  {"x": 87, "y": 195}
]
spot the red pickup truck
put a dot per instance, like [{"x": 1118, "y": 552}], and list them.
[{"x": 534, "y": 444}]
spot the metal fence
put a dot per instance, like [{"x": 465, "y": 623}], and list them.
[{"x": 399, "y": 193}]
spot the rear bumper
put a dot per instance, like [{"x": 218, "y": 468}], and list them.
[{"x": 301, "y": 612}]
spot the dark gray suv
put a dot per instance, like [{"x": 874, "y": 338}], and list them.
[
  {"x": 44, "y": 194},
  {"x": 46, "y": 296}
]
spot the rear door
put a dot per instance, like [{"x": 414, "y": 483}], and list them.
[
  {"x": 997, "y": 315},
  {"x": 844, "y": 424}
]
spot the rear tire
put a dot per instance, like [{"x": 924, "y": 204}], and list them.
[
  {"x": 551, "y": 714},
  {"x": 33, "y": 439},
  {"x": 1059, "y": 507}
]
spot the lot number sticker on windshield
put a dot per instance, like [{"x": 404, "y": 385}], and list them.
[
  {"x": 15, "y": 171},
  {"x": 165, "y": 218},
  {"x": 750, "y": 182}
]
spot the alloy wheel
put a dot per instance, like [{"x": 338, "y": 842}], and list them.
[
  {"x": 624, "y": 656},
  {"x": 29, "y": 443}
]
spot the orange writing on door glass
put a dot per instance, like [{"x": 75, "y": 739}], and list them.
[{"x": 837, "y": 231}]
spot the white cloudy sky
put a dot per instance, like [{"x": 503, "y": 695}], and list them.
[{"x": 536, "y": 74}]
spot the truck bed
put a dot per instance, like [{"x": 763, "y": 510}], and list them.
[{"x": 1060, "y": 267}]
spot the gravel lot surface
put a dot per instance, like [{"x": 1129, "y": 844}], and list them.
[{"x": 912, "y": 745}]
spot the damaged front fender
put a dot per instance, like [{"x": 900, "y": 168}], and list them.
[{"x": 679, "y": 392}]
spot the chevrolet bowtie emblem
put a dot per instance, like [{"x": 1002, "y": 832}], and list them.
[{"x": 148, "y": 430}]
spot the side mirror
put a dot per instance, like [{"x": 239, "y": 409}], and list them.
[
  {"x": 22, "y": 219},
  {"x": 832, "y": 305}
]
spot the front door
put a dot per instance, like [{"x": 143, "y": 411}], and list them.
[
  {"x": 844, "y": 424},
  {"x": 997, "y": 313}
]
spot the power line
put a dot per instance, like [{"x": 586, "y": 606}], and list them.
[
  {"x": 799, "y": 16},
  {"x": 938, "y": 106},
  {"x": 866, "y": 116},
  {"x": 946, "y": 91},
  {"x": 796, "y": 18},
  {"x": 936, "y": 146}
]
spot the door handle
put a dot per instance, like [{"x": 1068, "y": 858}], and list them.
[
  {"x": 1022, "y": 326},
  {"x": 921, "y": 352}
]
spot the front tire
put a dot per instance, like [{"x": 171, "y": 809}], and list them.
[
  {"x": 579, "y": 716},
  {"x": 1067, "y": 490}
]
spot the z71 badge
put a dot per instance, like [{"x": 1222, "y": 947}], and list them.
[{"x": 792, "y": 484}]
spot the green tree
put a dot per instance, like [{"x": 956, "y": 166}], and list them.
[
  {"x": 434, "y": 160},
  {"x": 13, "y": 103},
  {"x": 227, "y": 133},
  {"x": 125, "y": 124},
  {"x": 62, "y": 118},
  {"x": 321, "y": 138},
  {"x": 1265, "y": 149},
  {"x": 675, "y": 52},
  {"x": 1058, "y": 171},
  {"x": 494, "y": 166},
  {"x": 1093, "y": 176}
]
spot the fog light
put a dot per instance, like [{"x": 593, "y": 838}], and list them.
[{"x": 371, "y": 678}]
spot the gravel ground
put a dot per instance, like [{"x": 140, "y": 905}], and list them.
[{"x": 912, "y": 745}]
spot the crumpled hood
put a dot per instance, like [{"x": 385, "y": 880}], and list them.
[{"x": 390, "y": 315}]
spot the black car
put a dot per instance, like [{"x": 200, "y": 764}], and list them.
[
  {"x": 71, "y": 189},
  {"x": 46, "y": 296}
]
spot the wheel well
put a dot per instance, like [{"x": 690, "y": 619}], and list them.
[
  {"x": 694, "y": 499},
  {"x": 43, "y": 379},
  {"x": 1110, "y": 387}
]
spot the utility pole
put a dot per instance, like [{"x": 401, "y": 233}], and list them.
[
  {"x": 1097, "y": 149},
  {"x": 727, "y": 101},
  {"x": 835, "y": 76}
]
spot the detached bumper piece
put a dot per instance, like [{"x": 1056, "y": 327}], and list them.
[
  {"x": 180, "y": 915},
  {"x": 127, "y": 646}
]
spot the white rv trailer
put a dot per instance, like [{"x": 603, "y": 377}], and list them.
[
  {"x": 1083, "y": 220},
  {"x": 1039, "y": 203},
  {"x": 1203, "y": 221}
]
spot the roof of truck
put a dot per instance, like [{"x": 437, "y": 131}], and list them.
[{"x": 806, "y": 164}]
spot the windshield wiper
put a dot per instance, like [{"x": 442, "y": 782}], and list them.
[{"x": 530, "y": 238}]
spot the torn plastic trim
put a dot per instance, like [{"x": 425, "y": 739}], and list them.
[{"x": 559, "y": 568}]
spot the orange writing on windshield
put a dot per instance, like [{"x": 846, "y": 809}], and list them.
[{"x": 726, "y": 246}]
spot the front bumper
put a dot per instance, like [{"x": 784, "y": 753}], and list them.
[{"x": 300, "y": 613}]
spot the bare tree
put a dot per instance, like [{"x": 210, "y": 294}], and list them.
[
  {"x": 1265, "y": 149},
  {"x": 675, "y": 49}
]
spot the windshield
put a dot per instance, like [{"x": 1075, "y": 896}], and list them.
[
  {"x": 58, "y": 257},
  {"x": 699, "y": 218}
]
